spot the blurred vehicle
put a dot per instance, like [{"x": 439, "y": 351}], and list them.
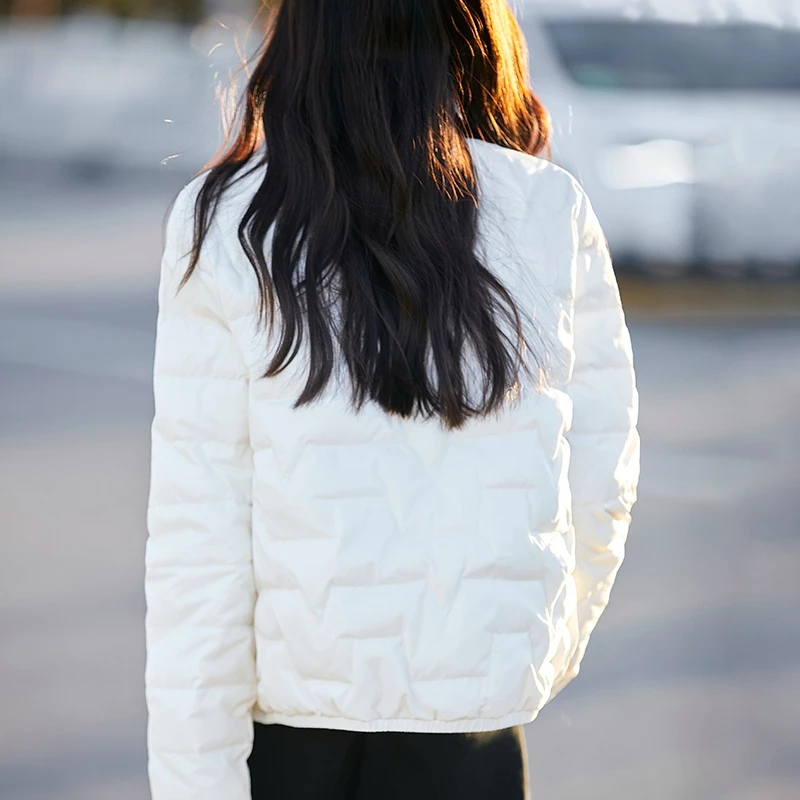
[
  {"x": 681, "y": 120},
  {"x": 95, "y": 92}
]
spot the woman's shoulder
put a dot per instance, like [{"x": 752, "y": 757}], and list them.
[
  {"x": 537, "y": 180},
  {"x": 222, "y": 260},
  {"x": 229, "y": 209}
]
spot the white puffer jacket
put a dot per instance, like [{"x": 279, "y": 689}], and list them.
[{"x": 318, "y": 568}]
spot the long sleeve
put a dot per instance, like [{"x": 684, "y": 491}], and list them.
[
  {"x": 604, "y": 443},
  {"x": 200, "y": 675}
]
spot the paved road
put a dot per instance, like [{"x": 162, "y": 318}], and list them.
[{"x": 690, "y": 691}]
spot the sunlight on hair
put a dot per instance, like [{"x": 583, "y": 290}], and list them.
[{"x": 165, "y": 161}]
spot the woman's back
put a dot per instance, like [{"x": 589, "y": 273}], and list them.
[
  {"x": 406, "y": 574},
  {"x": 332, "y": 564}
]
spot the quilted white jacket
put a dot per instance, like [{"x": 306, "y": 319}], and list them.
[{"x": 319, "y": 568}]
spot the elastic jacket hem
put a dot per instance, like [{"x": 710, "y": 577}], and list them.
[{"x": 399, "y": 725}]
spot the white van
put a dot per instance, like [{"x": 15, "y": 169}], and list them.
[{"x": 682, "y": 119}]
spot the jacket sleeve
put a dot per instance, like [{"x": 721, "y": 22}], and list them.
[
  {"x": 200, "y": 674},
  {"x": 604, "y": 442}
]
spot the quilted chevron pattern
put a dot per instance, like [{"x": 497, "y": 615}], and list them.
[{"x": 317, "y": 567}]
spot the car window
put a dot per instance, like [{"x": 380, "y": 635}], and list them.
[{"x": 626, "y": 54}]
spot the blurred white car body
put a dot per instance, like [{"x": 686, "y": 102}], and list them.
[
  {"x": 98, "y": 91},
  {"x": 681, "y": 119}
]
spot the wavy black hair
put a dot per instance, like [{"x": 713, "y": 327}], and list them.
[{"x": 360, "y": 110}]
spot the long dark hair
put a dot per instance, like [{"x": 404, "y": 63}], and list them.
[{"x": 361, "y": 111}]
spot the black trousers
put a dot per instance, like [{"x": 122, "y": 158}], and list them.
[{"x": 319, "y": 764}]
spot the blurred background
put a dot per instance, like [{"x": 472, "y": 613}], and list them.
[{"x": 681, "y": 117}]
